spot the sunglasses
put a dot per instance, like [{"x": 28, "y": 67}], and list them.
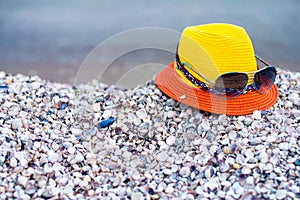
[{"x": 232, "y": 84}]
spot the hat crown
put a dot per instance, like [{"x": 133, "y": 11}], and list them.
[{"x": 214, "y": 49}]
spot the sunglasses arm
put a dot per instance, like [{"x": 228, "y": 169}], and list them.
[
  {"x": 209, "y": 81},
  {"x": 261, "y": 60}
]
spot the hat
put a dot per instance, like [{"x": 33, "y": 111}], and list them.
[{"x": 209, "y": 51}]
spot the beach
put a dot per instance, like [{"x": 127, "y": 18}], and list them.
[{"x": 97, "y": 141}]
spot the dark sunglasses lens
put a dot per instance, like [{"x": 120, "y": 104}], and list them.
[
  {"x": 231, "y": 85},
  {"x": 265, "y": 79},
  {"x": 235, "y": 81}
]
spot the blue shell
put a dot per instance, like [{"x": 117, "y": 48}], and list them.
[
  {"x": 106, "y": 123},
  {"x": 3, "y": 87}
]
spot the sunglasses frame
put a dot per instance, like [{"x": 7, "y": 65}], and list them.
[{"x": 268, "y": 66}]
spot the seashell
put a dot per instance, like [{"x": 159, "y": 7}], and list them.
[
  {"x": 171, "y": 140},
  {"x": 96, "y": 107},
  {"x": 256, "y": 114},
  {"x": 224, "y": 167},
  {"x": 263, "y": 156},
  {"x": 247, "y": 195},
  {"x": 185, "y": 171},
  {"x": 288, "y": 104},
  {"x": 236, "y": 166},
  {"x": 246, "y": 170},
  {"x": 239, "y": 125},
  {"x": 294, "y": 98},
  {"x": 227, "y": 150},
  {"x": 280, "y": 194},
  {"x": 211, "y": 185},
  {"x": 16, "y": 124},
  {"x": 106, "y": 114},
  {"x": 170, "y": 114},
  {"x": 232, "y": 135},
  {"x": 162, "y": 156},
  {"x": 137, "y": 121},
  {"x": 206, "y": 125},
  {"x": 142, "y": 114},
  {"x": 22, "y": 180},
  {"x": 106, "y": 123},
  {"x": 209, "y": 172}
]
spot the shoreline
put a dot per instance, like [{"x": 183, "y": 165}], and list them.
[{"x": 155, "y": 148}]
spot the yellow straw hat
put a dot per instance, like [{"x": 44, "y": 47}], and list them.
[{"x": 207, "y": 52}]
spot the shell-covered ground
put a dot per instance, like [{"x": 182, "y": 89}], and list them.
[{"x": 51, "y": 145}]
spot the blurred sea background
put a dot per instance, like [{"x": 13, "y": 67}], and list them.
[{"x": 52, "y": 38}]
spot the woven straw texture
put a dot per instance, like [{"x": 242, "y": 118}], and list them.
[{"x": 214, "y": 49}]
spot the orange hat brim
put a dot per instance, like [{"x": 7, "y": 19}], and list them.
[{"x": 170, "y": 83}]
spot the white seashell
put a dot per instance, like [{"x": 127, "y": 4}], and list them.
[
  {"x": 288, "y": 104},
  {"x": 248, "y": 121},
  {"x": 71, "y": 149},
  {"x": 294, "y": 98},
  {"x": 250, "y": 180},
  {"x": 142, "y": 114},
  {"x": 263, "y": 156},
  {"x": 171, "y": 140},
  {"x": 199, "y": 190},
  {"x": 23, "y": 162},
  {"x": 232, "y": 135},
  {"x": 169, "y": 189},
  {"x": 170, "y": 114},
  {"x": 239, "y": 125},
  {"x": 212, "y": 185},
  {"x": 162, "y": 156},
  {"x": 160, "y": 129},
  {"x": 13, "y": 162},
  {"x": 126, "y": 155},
  {"x": 206, "y": 125},
  {"x": 53, "y": 156},
  {"x": 256, "y": 114},
  {"x": 281, "y": 194},
  {"x": 136, "y": 196},
  {"x": 185, "y": 171},
  {"x": 167, "y": 171},
  {"x": 246, "y": 170},
  {"x": 22, "y": 180},
  {"x": 137, "y": 121},
  {"x": 226, "y": 184},
  {"x": 79, "y": 158},
  {"x": 271, "y": 139},
  {"x": 96, "y": 107},
  {"x": 224, "y": 167},
  {"x": 161, "y": 186},
  {"x": 16, "y": 124},
  {"x": 107, "y": 114}
]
